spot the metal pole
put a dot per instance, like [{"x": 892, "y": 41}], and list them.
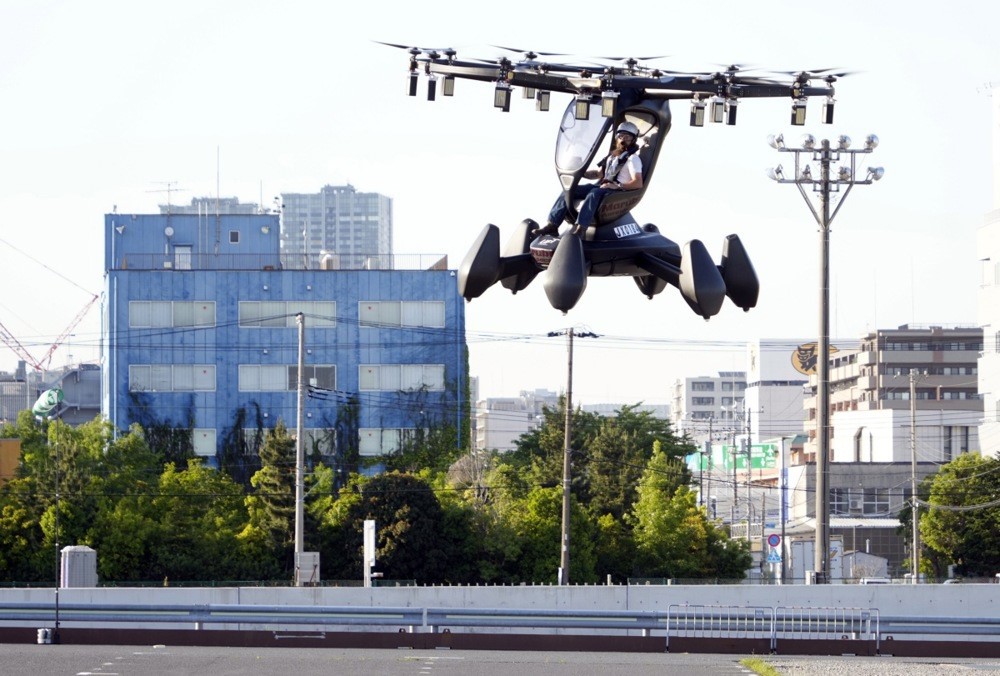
[
  {"x": 300, "y": 451},
  {"x": 55, "y": 632},
  {"x": 564, "y": 552},
  {"x": 823, "y": 369},
  {"x": 735, "y": 453},
  {"x": 704, "y": 461},
  {"x": 784, "y": 509},
  {"x": 846, "y": 177},
  {"x": 913, "y": 478}
]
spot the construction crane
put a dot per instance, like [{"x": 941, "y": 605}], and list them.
[{"x": 43, "y": 364}]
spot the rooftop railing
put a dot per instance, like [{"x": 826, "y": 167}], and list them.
[{"x": 327, "y": 261}]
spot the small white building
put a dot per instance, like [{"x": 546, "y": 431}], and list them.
[{"x": 500, "y": 421}]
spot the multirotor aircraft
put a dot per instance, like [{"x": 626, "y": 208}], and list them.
[{"x": 604, "y": 99}]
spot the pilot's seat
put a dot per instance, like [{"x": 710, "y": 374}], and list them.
[{"x": 616, "y": 205}]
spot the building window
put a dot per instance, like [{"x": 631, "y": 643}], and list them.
[
  {"x": 396, "y": 377},
  {"x": 322, "y": 440},
  {"x": 704, "y": 387},
  {"x": 876, "y": 501},
  {"x": 281, "y": 314},
  {"x": 375, "y": 441},
  {"x": 427, "y": 314},
  {"x": 151, "y": 314},
  {"x": 234, "y": 236},
  {"x": 203, "y": 442},
  {"x": 182, "y": 257},
  {"x": 171, "y": 378},
  {"x": 704, "y": 401},
  {"x": 282, "y": 378}
]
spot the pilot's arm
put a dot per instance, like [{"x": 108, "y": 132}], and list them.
[
  {"x": 635, "y": 167},
  {"x": 634, "y": 184}
]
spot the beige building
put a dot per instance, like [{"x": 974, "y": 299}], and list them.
[{"x": 870, "y": 396}]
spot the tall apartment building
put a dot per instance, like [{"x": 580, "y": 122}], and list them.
[
  {"x": 709, "y": 404},
  {"x": 336, "y": 224},
  {"x": 988, "y": 246},
  {"x": 201, "y": 334},
  {"x": 870, "y": 396}
]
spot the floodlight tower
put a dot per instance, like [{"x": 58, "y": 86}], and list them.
[{"x": 828, "y": 169}]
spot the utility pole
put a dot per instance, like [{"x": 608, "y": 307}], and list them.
[
  {"x": 567, "y": 453},
  {"x": 735, "y": 452},
  {"x": 706, "y": 454},
  {"x": 564, "y": 551},
  {"x": 749, "y": 455},
  {"x": 825, "y": 155},
  {"x": 913, "y": 477},
  {"x": 300, "y": 454}
]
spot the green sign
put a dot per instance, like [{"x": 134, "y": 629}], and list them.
[{"x": 762, "y": 456}]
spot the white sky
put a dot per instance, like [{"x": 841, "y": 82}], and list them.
[{"x": 104, "y": 102}]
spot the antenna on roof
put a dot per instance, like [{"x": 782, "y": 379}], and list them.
[{"x": 170, "y": 189}]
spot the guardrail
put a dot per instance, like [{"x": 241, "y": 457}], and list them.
[{"x": 770, "y": 624}]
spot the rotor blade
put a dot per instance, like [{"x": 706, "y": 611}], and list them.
[
  {"x": 432, "y": 52},
  {"x": 636, "y": 58},
  {"x": 526, "y": 52}
]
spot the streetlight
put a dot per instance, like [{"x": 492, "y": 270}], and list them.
[
  {"x": 564, "y": 545},
  {"x": 832, "y": 176},
  {"x": 44, "y": 408}
]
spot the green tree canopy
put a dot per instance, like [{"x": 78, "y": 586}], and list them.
[
  {"x": 962, "y": 523},
  {"x": 674, "y": 537}
]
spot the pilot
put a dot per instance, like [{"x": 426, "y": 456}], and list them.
[{"x": 620, "y": 170}]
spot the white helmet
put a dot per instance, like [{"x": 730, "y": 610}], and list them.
[{"x": 628, "y": 128}]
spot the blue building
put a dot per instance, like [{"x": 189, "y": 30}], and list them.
[{"x": 201, "y": 334}]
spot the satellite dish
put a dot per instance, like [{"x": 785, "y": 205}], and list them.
[{"x": 168, "y": 231}]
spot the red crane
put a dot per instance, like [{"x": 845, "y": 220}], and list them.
[{"x": 43, "y": 364}]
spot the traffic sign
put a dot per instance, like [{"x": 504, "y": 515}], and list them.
[
  {"x": 774, "y": 556},
  {"x": 774, "y": 539}
]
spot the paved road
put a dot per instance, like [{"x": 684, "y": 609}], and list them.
[{"x": 87, "y": 660}]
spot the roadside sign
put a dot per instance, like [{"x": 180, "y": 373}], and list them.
[
  {"x": 774, "y": 539},
  {"x": 774, "y": 556}
]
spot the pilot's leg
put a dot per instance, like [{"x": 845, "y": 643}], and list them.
[
  {"x": 556, "y": 215},
  {"x": 588, "y": 210},
  {"x": 559, "y": 210}
]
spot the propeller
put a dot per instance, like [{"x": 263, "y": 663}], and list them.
[
  {"x": 433, "y": 53},
  {"x": 529, "y": 55},
  {"x": 817, "y": 73}
]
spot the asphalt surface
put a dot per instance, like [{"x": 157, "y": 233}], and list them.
[{"x": 91, "y": 660}]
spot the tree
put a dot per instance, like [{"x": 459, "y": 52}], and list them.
[
  {"x": 614, "y": 460},
  {"x": 537, "y": 524},
  {"x": 540, "y": 452},
  {"x": 199, "y": 512},
  {"x": 674, "y": 537},
  {"x": 962, "y": 522},
  {"x": 272, "y": 504},
  {"x": 411, "y": 539}
]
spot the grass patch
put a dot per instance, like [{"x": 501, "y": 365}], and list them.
[{"x": 759, "y": 666}]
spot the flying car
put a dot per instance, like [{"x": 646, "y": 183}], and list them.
[{"x": 603, "y": 99}]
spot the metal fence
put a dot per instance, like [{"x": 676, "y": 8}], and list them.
[
  {"x": 825, "y": 623},
  {"x": 279, "y": 261},
  {"x": 680, "y": 620}
]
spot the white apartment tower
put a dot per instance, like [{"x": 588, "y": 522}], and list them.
[
  {"x": 337, "y": 224},
  {"x": 989, "y": 303}
]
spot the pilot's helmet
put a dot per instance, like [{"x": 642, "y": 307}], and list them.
[{"x": 628, "y": 128}]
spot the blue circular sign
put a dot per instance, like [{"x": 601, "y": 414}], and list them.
[{"x": 774, "y": 539}]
